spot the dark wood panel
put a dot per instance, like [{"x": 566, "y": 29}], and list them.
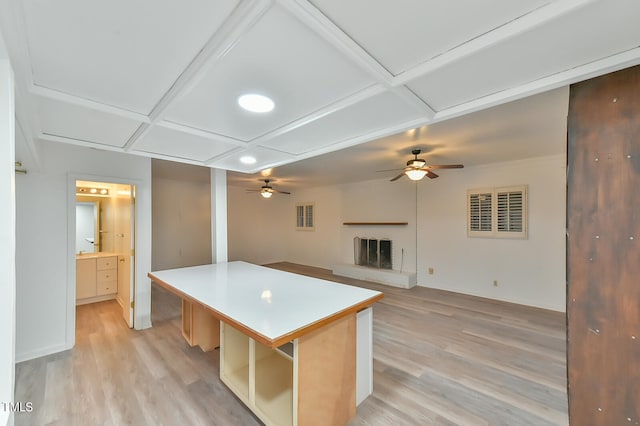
[{"x": 603, "y": 250}]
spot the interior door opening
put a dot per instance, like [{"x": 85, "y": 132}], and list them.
[{"x": 105, "y": 242}]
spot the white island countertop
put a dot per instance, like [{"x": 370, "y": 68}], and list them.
[{"x": 272, "y": 306}]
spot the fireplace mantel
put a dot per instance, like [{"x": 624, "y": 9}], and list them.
[{"x": 377, "y": 223}]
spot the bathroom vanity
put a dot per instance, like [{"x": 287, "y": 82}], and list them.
[{"x": 96, "y": 277}]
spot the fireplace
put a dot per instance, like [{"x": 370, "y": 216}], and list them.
[{"x": 372, "y": 252}]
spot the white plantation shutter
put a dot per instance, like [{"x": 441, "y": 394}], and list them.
[
  {"x": 299, "y": 216},
  {"x": 304, "y": 217},
  {"x": 510, "y": 211},
  {"x": 497, "y": 212},
  {"x": 480, "y": 212},
  {"x": 309, "y": 216}
]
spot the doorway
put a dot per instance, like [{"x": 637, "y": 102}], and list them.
[{"x": 105, "y": 242}]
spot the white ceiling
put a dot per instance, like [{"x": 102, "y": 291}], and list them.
[
  {"x": 532, "y": 127},
  {"x": 161, "y": 78}
]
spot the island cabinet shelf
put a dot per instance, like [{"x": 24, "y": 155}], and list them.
[
  {"x": 297, "y": 389},
  {"x": 375, "y": 223}
]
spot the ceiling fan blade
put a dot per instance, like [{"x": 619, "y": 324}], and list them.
[
  {"x": 445, "y": 166},
  {"x": 253, "y": 190},
  {"x": 389, "y": 170},
  {"x": 282, "y": 192},
  {"x": 431, "y": 175},
  {"x": 397, "y": 177}
]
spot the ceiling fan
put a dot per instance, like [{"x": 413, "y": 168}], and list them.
[
  {"x": 417, "y": 168},
  {"x": 266, "y": 190}
]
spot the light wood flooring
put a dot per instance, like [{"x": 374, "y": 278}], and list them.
[{"x": 439, "y": 359}]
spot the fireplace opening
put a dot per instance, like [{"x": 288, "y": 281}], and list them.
[
  {"x": 372, "y": 252},
  {"x": 372, "y": 255}
]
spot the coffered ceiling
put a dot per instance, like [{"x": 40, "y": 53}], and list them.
[{"x": 162, "y": 78}]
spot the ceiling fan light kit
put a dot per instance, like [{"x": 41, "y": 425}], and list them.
[
  {"x": 267, "y": 190},
  {"x": 417, "y": 168},
  {"x": 415, "y": 174}
]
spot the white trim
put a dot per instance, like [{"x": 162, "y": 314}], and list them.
[
  {"x": 235, "y": 26},
  {"x": 142, "y": 310},
  {"x": 199, "y": 132},
  {"x": 593, "y": 69},
  {"x": 323, "y": 26},
  {"x": 40, "y": 352},
  {"x": 7, "y": 236},
  {"x": 219, "y": 249},
  {"x": 79, "y": 142},
  {"x": 48, "y": 93},
  {"x": 339, "y": 105},
  {"x": 523, "y": 24}
]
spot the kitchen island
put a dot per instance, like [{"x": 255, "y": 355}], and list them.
[{"x": 296, "y": 350}]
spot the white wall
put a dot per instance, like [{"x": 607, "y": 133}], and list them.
[
  {"x": 530, "y": 271},
  {"x": 218, "y": 208},
  {"x": 263, "y": 231},
  {"x": 320, "y": 247},
  {"x": 255, "y": 226},
  {"x": 45, "y": 268},
  {"x": 7, "y": 237},
  {"x": 381, "y": 201},
  {"x": 181, "y": 219}
]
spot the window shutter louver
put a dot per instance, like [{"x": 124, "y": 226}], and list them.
[
  {"x": 480, "y": 212},
  {"x": 309, "y": 214},
  {"x": 299, "y": 216}
]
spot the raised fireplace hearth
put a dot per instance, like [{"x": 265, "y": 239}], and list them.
[{"x": 376, "y": 275}]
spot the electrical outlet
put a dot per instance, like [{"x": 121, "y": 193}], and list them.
[
  {"x": 495, "y": 283},
  {"x": 430, "y": 270}
]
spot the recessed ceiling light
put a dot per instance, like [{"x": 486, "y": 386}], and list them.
[
  {"x": 247, "y": 159},
  {"x": 256, "y": 103}
]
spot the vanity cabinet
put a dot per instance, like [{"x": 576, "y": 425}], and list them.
[
  {"x": 106, "y": 275},
  {"x": 96, "y": 278},
  {"x": 85, "y": 278}
]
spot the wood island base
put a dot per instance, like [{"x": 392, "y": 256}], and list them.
[{"x": 295, "y": 350}]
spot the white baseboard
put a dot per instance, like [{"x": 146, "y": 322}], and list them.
[
  {"x": 95, "y": 299},
  {"x": 40, "y": 352}
]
